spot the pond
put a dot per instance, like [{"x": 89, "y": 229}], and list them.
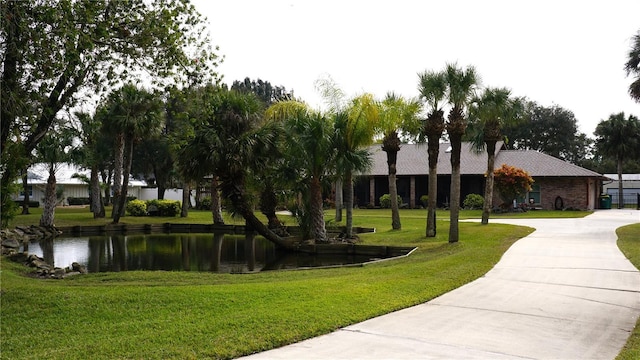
[{"x": 217, "y": 252}]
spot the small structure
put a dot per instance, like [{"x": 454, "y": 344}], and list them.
[
  {"x": 630, "y": 188},
  {"x": 69, "y": 186},
  {"x": 558, "y": 184}
]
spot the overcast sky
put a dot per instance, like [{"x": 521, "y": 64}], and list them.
[{"x": 569, "y": 53}]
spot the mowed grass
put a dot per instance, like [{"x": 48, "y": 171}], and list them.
[
  {"x": 192, "y": 315},
  {"x": 629, "y": 243},
  {"x": 71, "y": 216},
  {"x": 200, "y": 315}
]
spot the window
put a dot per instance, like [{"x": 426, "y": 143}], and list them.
[{"x": 534, "y": 194}]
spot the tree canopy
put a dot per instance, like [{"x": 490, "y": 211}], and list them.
[{"x": 56, "y": 52}]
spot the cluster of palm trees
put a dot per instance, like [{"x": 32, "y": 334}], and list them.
[
  {"x": 254, "y": 152},
  {"x": 485, "y": 113}
]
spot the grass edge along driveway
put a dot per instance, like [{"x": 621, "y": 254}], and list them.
[{"x": 181, "y": 315}]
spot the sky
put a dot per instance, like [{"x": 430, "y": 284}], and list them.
[{"x": 565, "y": 53}]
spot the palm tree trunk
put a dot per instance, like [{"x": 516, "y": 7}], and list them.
[
  {"x": 454, "y": 202},
  {"x": 488, "y": 185},
  {"x": 318, "y": 230},
  {"x": 186, "y": 199},
  {"x": 118, "y": 165},
  {"x": 236, "y": 193},
  {"x": 97, "y": 206},
  {"x": 49, "y": 204},
  {"x": 122, "y": 201},
  {"x": 339, "y": 205},
  {"x": 268, "y": 204},
  {"x": 216, "y": 204},
  {"x": 392, "y": 157},
  {"x": 620, "y": 188},
  {"x": 347, "y": 189},
  {"x": 433, "y": 150}
]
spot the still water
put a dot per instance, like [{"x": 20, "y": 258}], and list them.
[{"x": 218, "y": 252}]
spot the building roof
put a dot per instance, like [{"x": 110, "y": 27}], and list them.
[
  {"x": 413, "y": 160},
  {"x": 625, "y": 177},
  {"x": 39, "y": 173}
]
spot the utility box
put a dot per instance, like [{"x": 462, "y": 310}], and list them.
[{"x": 605, "y": 202}]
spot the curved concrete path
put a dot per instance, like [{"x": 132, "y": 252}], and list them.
[{"x": 563, "y": 292}]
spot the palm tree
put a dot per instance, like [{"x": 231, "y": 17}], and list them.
[
  {"x": 397, "y": 115},
  {"x": 89, "y": 155},
  {"x": 619, "y": 138},
  {"x": 433, "y": 89},
  {"x": 462, "y": 85},
  {"x": 311, "y": 151},
  {"x": 489, "y": 113},
  {"x": 131, "y": 113},
  {"x": 238, "y": 143},
  {"x": 633, "y": 67},
  {"x": 354, "y": 130}
]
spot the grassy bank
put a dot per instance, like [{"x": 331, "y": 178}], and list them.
[
  {"x": 191, "y": 315},
  {"x": 629, "y": 243},
  {"x": 70, "y": 216}
]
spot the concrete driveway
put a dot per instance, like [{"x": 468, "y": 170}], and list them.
[{"x": 563, "y": 292}]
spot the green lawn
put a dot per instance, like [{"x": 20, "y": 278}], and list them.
[
  {"x": 70, "y": 216},
  {"x": 192, "y": 315},
  {"x": 629, "y": 243}
]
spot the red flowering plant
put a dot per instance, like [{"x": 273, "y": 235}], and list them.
[{"x": 511, "y": 182}]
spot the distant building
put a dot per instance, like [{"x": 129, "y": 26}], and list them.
[
  {"x": 558, "y": 184},
  {"x": 630, "y": 187},
  {"x": 71, "y": 187}
]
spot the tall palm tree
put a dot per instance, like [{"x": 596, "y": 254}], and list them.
[
  {"x": 633, "y": 67},
  {"x": 130, "y": 113},
  {"x": 462, "y": 85},
  {"x": 397, "y": 116},
  {"x": 489, "y": 113},
  {"x": 619, "y": 138},
  {"x": 311, "y": 151},
  {"x": 433, "y": 89}
]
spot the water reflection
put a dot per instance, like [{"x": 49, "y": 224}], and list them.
[{"x": 217, "y": 252}]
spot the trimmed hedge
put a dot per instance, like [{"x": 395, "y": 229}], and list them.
[
  {"x": 163, "y": 207},
  {"x": 137, "y": 208},
  {"x": 78, "y": 201},
  {"x": 32, "y": 204}
]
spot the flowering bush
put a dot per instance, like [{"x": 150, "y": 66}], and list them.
[{"x": 511, "y": 182}]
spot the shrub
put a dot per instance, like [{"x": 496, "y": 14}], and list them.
[
  {"x": 137, "y": 208},
  {"x": 78, "y": 201},
  {"x": 424, "y": 199},
  {"x": 164, "y": 207},
  {"x": 511, "y": 182},
  {"x": 205, "y": 203},
  {"x": 385, "y": 201},
  {"x": 473, "y": 202}
]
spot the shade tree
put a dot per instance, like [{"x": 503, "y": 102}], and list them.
[
  {"x": 618, "y": 138},
  {"x": 56, "y": 53}
]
